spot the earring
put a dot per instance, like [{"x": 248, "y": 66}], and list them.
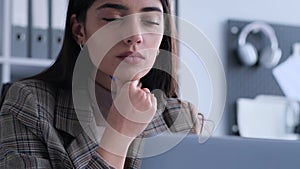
[
  {"x": 81, "y": 46},
  {"x": 158, "y": 51}
]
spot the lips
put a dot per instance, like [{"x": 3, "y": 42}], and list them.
[{"x": 131, "y": 57}]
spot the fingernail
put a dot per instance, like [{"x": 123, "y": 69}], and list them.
[
  {"x": 135, "y": 83},
  {"x": 140, "y": 84}
]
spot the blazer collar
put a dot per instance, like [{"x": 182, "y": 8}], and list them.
[{"x": 65, "y": 116}]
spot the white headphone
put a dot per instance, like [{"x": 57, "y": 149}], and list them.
[{"x": 248, "y": 54}]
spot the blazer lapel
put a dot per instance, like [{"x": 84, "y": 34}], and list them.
[{"x": 65, "y": 116}]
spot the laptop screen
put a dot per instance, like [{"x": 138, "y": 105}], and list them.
[{"x": 228, "y": 152}]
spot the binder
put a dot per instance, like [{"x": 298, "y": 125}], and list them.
[
  {"x": 58, "y": 17},
  {"x": 39, "y": 29},
  {"x": 1, "y": 26},
  {"x": 19, "y": 30}
]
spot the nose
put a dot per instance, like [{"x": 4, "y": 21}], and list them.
[{"x": 134, "y": 40}]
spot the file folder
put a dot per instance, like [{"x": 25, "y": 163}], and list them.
[
  {"x": 58, "y": 17},
  {"x": 39, "y": 29},
  {"x": 19, "y": 30},
  {"x": 1, "y": 26}
]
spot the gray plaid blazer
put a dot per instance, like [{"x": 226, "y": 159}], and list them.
[{"x": 39, "y": 129}]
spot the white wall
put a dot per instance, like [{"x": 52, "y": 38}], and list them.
[{"x": 210, "y": 17}]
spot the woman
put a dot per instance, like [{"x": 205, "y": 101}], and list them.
[{"x": 38, "y": 123}]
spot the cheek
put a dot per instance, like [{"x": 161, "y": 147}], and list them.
[
  {"x": 153, "y": 45},
  {"x": 156, "y": 40},
  {"x": 100, "y": 46},
  {"x": 108, "y": 65}
]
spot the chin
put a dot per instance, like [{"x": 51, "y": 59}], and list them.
[{"x": 131, "y": 75}]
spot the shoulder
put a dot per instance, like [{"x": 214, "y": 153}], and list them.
[
  {"x": 176, "y": 104},
  {"x": 180, "y": 115},
  {"x": 32, "y": 86},
  {"x": 175, "y": 108},
  {"x": 28, "y": 101},
  {"x": 30, "y": 91}
]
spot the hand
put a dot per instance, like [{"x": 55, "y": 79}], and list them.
[{"x": 133, "y": 108}]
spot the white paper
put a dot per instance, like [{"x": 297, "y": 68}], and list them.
[
  {"x": 287, "y": 76},
  {"x": 20, "y": 13}
]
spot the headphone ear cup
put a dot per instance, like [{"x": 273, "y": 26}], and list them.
[
  {"x": 247, "y": 54},
  {"x": 270, "y": 57}
]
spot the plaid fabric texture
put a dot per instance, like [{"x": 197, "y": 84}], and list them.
[{"x": 39, "y": 129}]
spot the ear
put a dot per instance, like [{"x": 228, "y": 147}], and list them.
[{"x": 78, "y": 30}]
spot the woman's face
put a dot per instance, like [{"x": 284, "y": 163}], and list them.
[{"x": 123, "y": 36}]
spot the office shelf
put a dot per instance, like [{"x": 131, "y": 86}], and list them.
[
  {"x": 26, "y": 61},
  {"x": 11, "y": 67}
]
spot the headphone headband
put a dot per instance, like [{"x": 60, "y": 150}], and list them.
[{"x": 258, "y": 26}]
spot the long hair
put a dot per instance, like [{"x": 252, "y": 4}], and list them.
[{"x": 61, "y": 72}]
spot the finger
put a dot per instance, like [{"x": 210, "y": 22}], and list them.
[
  {"x": 140, "y": 84},
  {"x": 118, "y": 84},
  {"x": 133, "y": 87},
  {"x": 154, "y": 102},
  {"x": 145, "y": 94},
  {"x": 135, "y": 83},
  {"x": 146, "y": 90}
]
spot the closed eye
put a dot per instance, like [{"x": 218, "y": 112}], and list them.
[
  {"x": 111, "y": 19},
  {"x": 152, "y": 22}
]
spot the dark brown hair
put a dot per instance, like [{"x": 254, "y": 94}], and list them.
[{"x": 61, "y": 72}]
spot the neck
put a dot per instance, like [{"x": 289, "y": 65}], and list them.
[{"x": 104, "y": 80}]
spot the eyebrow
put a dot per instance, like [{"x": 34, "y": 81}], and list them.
[
  {"x": 122, "y": 7},
  {"x": 151, "y": 9},
  {"x": 114, "y": 6}
]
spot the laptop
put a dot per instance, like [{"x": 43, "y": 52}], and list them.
[{"x": 228, "y": 152}]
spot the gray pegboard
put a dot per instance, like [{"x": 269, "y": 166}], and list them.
[{"x": 246, "y": 81}]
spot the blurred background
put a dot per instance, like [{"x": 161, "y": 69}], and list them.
[
  {"x": 222, "y": 22},
  {"x": 262, "y": 80}
]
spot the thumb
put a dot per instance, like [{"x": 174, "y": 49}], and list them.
[
  {"x": 118, "y": 84},
  {"x": 135, "y": 83}
]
